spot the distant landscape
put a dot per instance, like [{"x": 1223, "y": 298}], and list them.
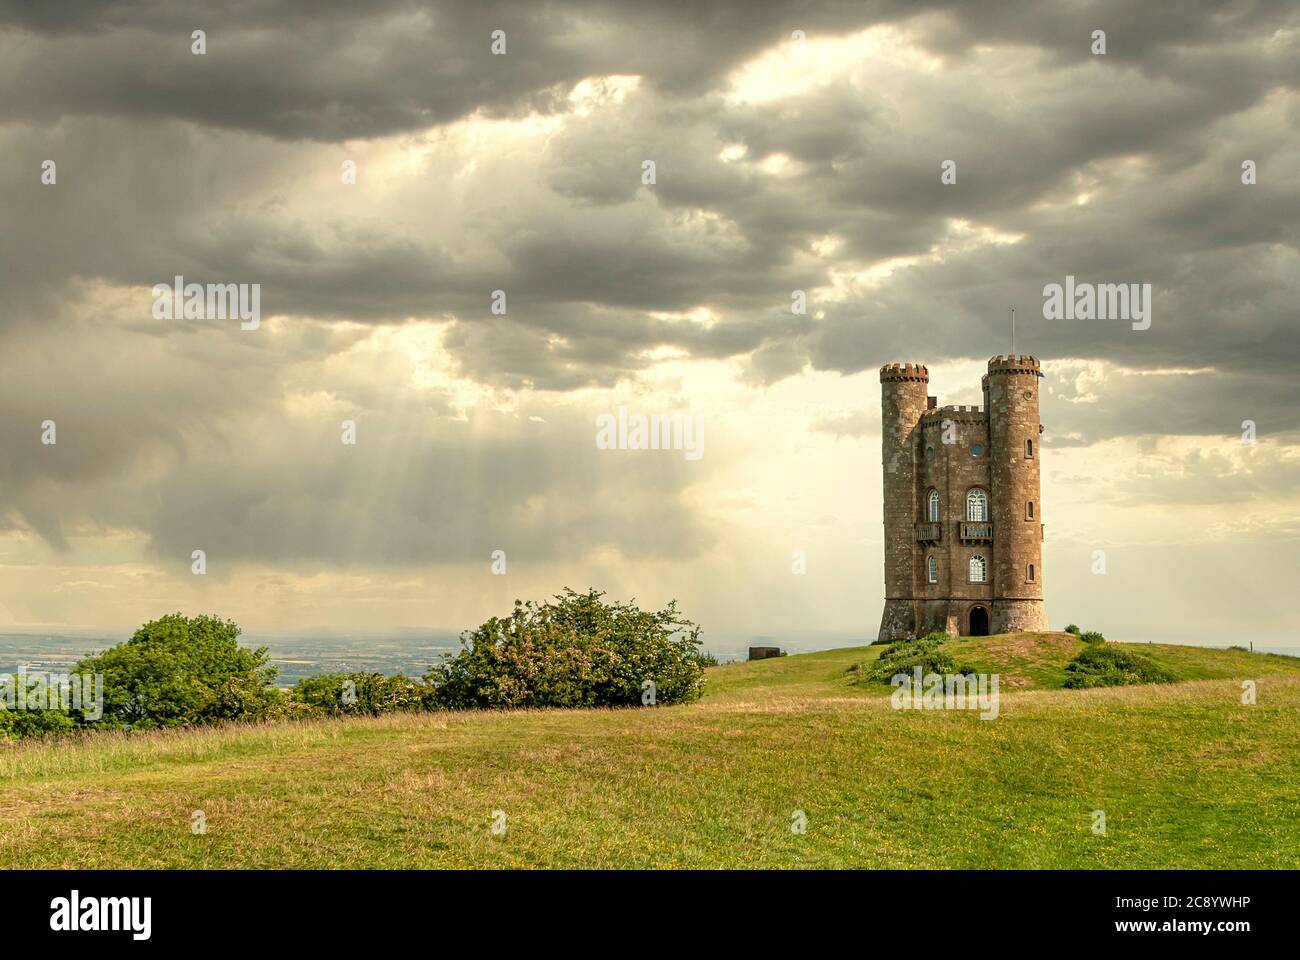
[
  {"x": 311, "y": 655},
  {"x": 409, "y": 653}
]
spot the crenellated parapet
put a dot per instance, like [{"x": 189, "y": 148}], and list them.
[
  {"x": 1005, "y": 364},
  {"x": 954, "y": 412},
  {"x": 896, "y": 372}
]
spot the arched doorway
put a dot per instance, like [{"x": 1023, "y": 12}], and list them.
[{"x": 979, "y": 622}]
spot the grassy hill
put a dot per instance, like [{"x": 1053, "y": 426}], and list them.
[{"x": 1187, "y": 777}]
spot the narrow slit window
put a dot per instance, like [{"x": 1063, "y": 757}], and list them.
[
  {"x": 1029, "y": 449},
  {"x": 1029, "y": 574},
  {"x": 1029, "y": 510}
]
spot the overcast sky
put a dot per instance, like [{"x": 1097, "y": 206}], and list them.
[{"x": 792, "y": 150}]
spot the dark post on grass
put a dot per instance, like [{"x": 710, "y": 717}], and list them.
[{"x": 762, "y": 653}]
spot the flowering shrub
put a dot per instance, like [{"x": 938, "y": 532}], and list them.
[{"x": 573, "y": 651}]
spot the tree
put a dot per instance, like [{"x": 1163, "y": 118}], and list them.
[
  {"x": 573, "y": 651},
  {"x": 183, "y": 670}
]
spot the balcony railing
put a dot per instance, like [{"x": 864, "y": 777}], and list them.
[
  {"x": 929, "y": 532},
  {"x": 976, "y": 530}
]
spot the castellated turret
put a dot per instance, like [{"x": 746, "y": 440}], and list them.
[
  {"x": 963, "y": 526},
  {"x": 903, "y": 388}
]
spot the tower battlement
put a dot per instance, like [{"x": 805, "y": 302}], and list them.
[
  {"x": 893, "y": 372},
  {"x": 963, "y": 528},
  {"x": 1005, "y": 363},
  {"x": 954, "y": 412}
]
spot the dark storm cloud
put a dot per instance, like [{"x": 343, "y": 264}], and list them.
[
  {"x": 342, "y": 70},
  {"x": 1124, "y": 168},
  {"x": 1140, "y": 33},
  {"x": 163, "y": 192},
  {"x": 335, "y": 70}
]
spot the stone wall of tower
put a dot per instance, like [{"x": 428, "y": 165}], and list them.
[
  {"x": 903, "y": 389},
  {"x": 934, "y": 468},
  {"x": 1011, "y": 392},
  {"x": 953, "y": 469}
]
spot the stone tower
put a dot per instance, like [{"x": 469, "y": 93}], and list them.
[{"x": 963, "y": 518}]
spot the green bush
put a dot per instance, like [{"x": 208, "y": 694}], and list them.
[
  {"x": 1087, "y": 636},
  {"x": 359, "y": 693},
  {"x": 23, "y": 724},
  {"x": 1099, "y": 665},
  {"x": 183, "y": 670},
  {"x": 23, "y": 698},
  {"x": 904, "y": 656},
  {"x": 573, "y": 651}
]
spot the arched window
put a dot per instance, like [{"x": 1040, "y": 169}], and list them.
[
  {"x": 932, "y": 570},
  {"x": 978, "y": 569},
  {"x": 1029, "y": 509},
  {"x": 933, "y": 513},
  {"x": 1029, "y": 449},
  {"x": 1029, "y": 574},
  {"x": 977, "y": 505}
]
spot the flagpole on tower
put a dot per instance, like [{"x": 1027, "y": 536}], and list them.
[{"x": 1013, "y": 331}]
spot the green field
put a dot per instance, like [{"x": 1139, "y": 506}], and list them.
[{"x": 1186, "y": 774}]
